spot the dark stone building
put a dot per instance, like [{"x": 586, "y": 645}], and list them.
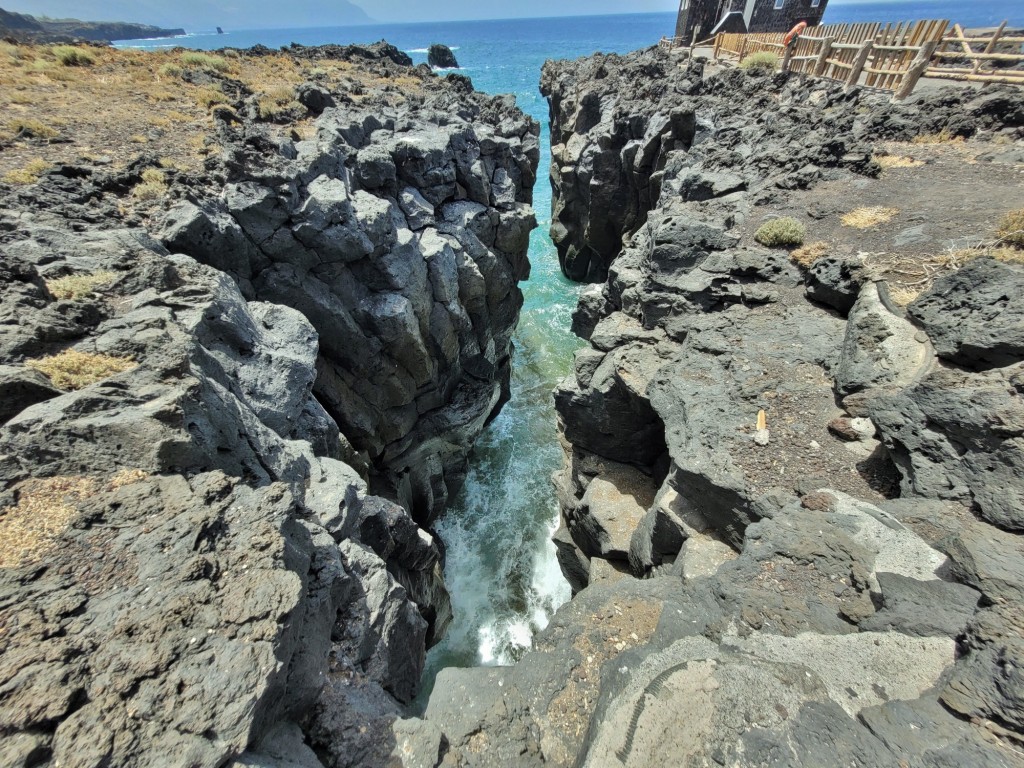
[{"x": 712, "y": 16}]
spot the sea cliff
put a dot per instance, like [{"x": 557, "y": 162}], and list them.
[{"x": 233, "y": 402}]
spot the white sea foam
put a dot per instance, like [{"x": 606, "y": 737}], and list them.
[{"x": 427, "y": 50}]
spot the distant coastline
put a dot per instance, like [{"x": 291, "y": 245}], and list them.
[{"x": 23, "y": 27}]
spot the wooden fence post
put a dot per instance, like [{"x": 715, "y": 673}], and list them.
[
  {"x": 822, "y": 64},
  {"x": 743, "y": 48},
  {"x": 990, "y": 47},
  {"x": 718, "y": 45},
  {"x": 917, "y": 68},
  {"x": 787, "y": 57},
  {"x": 863, "y": 53}
]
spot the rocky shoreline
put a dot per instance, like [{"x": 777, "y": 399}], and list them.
[
  {"x": 791, "y": 506},
  {"x": 296, "y": 351}
]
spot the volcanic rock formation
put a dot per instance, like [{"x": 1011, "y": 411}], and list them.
[
  {"x": 195, "y": 564},
  {"x": 789, "y": 506},
  {"x": 441, "y": 56}
]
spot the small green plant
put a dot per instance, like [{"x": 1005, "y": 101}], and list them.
[
  {"x": 205, "y": 61},
  {"x": 29, "y": 174},
  {"x": 170, "y": 70},
  {"x": 72, "y": 56},
  {"x": 77, "y": 286},
  {"x": 760, "y": 63},
  {"x": 73, "y": 370},
  {"x": 779, "y": 233},
  {"x": 1011, "y": 229}
]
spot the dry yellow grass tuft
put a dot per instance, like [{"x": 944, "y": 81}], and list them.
[
  {"x": 209, "y": 97},
  {"x": 1011, "y": 229},
  {"x": 809, "y": 253},
  {"x": 945, "y": 136},
  {"x": 153, "y": 186},
  {"x": 126, "y": 477},
  {"x": 903, "y": 295},
  {"x": 204, "y": 61},
  {"x": 867, "y": 217},
  {"x": 73, "y": 56},
  {"x": 277, "y": 101},
  {"x": 45, "y": 507},
  {"x": 29, "y": 174},
  {"x": 27, "y": 128},
  {"x": 77, "y": 286},
  {"x": 897, "y": 161},
  {"x": 1004, "y": 254},
  {"x": 72, "y": 369},
  {"x": 172, "y": 165}
]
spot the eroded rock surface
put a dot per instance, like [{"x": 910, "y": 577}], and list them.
[
  {"x": 196, "y": 569},
  {"x": 754, "y": 419}
]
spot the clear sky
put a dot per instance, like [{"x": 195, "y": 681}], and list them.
[
  {"x": 439, "y": 10},
  {"x": 296, "y": 13},
  {"x": 436, "y": 10}
]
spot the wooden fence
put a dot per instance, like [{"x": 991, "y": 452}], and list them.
[
  {"x": 983, "y": 59},
  {"x": 891, "y": 57}
]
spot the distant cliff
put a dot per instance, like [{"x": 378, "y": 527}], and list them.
[
  {"x": 24, "y": 27},
  {"x": 204, "y": 14}
]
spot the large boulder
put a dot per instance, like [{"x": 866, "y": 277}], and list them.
[
  {"x": 975, "y": 316},
  {"x": 441, "y": 56}
]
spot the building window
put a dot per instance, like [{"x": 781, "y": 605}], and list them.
[
  {"x": 815, "y": 3},
  {"x": 779, "y": 4}
]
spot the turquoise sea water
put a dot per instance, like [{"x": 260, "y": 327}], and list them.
[{"x": 501, "y": 567}]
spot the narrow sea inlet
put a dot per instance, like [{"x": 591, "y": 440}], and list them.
[{"x": 501, "y": 568}]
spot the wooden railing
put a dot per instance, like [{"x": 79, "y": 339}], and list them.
[
  {"x": 891, "y": 57},
  {"x": 959, "y": 58}
]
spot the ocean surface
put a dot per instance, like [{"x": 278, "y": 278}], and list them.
[{"x": 501, "y": 567}]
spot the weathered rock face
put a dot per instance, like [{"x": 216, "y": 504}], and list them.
[
  {"x": 197, "y": 572},
  {"x": 751, "y": 422},
  {"x": 400, "y": 234},
  {"x": 202, "y": 582},
  {"x": 612, "y": 141}
]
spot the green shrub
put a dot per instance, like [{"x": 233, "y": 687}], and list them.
[
  {"x": 71, "y": 56},
  {"x": 760, "y": 63},
  {"x": 779, "y": 233},
  {"x": 204, "y": 61},
  {"x": 1011, "y": 229}
]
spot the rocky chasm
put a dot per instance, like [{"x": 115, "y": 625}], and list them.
[
  {"x": 839, "y": 584},
  {"x": 309, "y": 334}
]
